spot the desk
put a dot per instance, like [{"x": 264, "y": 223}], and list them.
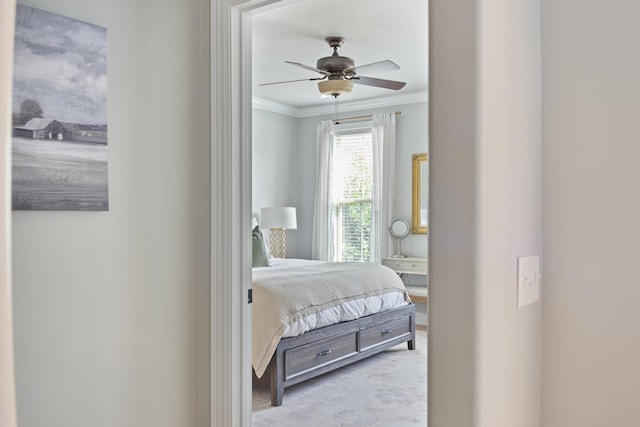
[{"x": 411, "y": 265}]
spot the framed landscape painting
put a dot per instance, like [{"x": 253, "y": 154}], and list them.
[{"x": 60, "y": 137}]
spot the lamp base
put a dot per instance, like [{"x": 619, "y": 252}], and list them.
[{"x": 278, "y": 243}]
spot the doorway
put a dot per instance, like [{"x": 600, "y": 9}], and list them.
[{"x": 231, "y": 197}]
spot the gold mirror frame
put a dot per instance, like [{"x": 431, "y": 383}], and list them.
[{"x": 418, "y": 161}]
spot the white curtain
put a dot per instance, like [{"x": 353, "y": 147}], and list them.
[
  {"x": 383, "y": 135},
  {"x": 322, "y": 239}
]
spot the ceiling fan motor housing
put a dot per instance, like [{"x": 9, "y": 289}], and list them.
[{"x": 335, "y": 64}]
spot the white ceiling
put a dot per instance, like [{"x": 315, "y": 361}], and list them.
[{"x": 374, "y": 30}]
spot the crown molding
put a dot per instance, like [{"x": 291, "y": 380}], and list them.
[
  {"x": 274, "y": 107},
  {"x": 319, "y": 110}
]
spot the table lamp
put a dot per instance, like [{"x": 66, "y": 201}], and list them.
[{"x": 278, "y": 219}]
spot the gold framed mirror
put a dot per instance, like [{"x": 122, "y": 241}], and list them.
[{"x": 420, "y": 223}]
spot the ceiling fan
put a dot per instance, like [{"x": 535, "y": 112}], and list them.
[{"x": 339, "y": 73}]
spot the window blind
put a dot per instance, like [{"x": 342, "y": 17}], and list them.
[{"x": 352, "y": 181}]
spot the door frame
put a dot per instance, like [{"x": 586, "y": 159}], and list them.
[
  {"x": 231, "y": 123},
  {"x": 230, "y": 319}
]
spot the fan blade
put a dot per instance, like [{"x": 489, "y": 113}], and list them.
[
  {"x": 370, "y": 81},
  {"x": 376, "y": 67},
  {"x": 291, "y": 81},
  {"x": 308, "y": 67}
]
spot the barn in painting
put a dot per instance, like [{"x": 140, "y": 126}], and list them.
[{"x": 41, "y": 128}]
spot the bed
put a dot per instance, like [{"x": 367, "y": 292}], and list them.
[{"x": 311, "y": 317}]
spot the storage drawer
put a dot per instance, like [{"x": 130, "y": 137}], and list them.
[
  {"x": 408, "y": 266},
  {"x": 384, "y": 332},
  {"x": 308, "y": 357}
]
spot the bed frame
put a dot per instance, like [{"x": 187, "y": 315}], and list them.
[{"x": 322, "y": 350}]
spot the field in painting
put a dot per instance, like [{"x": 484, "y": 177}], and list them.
[{"x": 59, "y": 175}]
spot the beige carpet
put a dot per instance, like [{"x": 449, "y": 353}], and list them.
[{"x": 386, "y": 390}]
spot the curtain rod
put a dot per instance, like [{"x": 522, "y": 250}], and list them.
[{"x": 397, "y": 113}]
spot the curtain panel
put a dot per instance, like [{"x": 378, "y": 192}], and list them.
[
  {"x": 383, "y": 134},
  {"x": 322, "y": 238}
]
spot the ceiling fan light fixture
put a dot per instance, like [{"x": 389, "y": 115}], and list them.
[{"x": 335, "y": 87}]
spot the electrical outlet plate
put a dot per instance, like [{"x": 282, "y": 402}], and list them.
[{"x": 528, "y": 280}]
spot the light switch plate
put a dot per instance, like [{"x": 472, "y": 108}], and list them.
[{"x": 528, "y": 280}]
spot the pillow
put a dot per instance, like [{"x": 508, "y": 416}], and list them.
[
  {"x": 254, "y": 224},
  {"x": 260, "y": 251}
]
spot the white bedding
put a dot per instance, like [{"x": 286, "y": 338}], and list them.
[
  {"x": 381, "y": 290},
  {"x": 348, "y": 310}
]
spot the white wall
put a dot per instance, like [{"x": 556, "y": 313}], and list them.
[
  {"x": 591, "y": 100},
  {"x": 274, "y": 169},
  {"x": 508, "y": 213},
  {"x": 111, "y": 309},
  {"x": 7, "y": 373},
  {"x": 452, "y": 142},
  {"x": 484, "y": 354},
  {"x": 107, "y": 305}
]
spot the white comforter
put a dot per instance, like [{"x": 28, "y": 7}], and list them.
[{"x": 293, "y": 296}]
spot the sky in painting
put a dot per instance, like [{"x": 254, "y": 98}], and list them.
[{"x": 61, "y": 63}]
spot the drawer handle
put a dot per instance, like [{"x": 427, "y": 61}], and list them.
[
  {"x": 323, "y": 352},
  {"x": 410, "y": 265},
  {"x": 386, "y": 331}
]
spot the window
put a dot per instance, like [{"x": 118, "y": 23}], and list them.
[{"x": 352, "y": 190}]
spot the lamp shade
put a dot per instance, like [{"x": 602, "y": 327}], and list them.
[
  {"x": 279, "y": 217},
  {"x": 335, "y": 87}
]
